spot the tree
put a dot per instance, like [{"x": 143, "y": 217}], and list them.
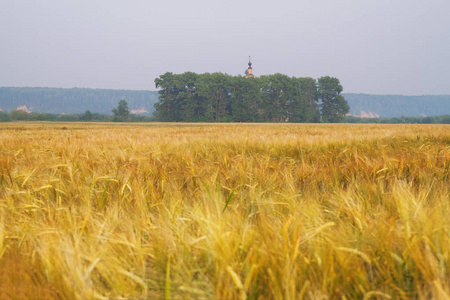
[
  {"x": 333, "y": 106},
  {"x": 87, "y": 116},
  {"x": 277, "y": 93},
  {"x": 4, "y": 117},
  {"x": 303, "y": 107},
  {"x": 214, "y": 89},
  {"x": 245, "y": 99},
  {"x": 168, "y": 108},
  {"x": 445, "y": 119},
  {"x": 121, "y": 113},
  {"x": 19, "y": 115}
]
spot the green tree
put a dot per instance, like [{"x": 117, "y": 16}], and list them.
[
  {"x": 168, "y": 108},
  {"x": 277, "y": 93},
  {"x": 87, "y": 116},
  {"x": 246, "y": 99},
  {"x": 445, "y": 119},
  {"x": 4, "y": 117},
  {"x": 187, "y": 97},
  {"x": 121, "y": 113},
  {"x": 333, "y": 106},
  {"x": 303, "y": 107},
  {"x": 214, "y": 89},
  {"x": 19, "y": 115}
]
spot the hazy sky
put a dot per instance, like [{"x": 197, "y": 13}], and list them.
[{"x": 373, "y": 46}]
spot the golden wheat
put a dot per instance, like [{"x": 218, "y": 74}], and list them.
[{"x": 224, "y": 211}]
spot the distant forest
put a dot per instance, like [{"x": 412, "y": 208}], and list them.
[
  {"x": 75, "y": 100},
  {"x": 395, "y": 106}
]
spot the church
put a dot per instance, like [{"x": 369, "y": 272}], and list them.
[{"x": 249, "y": 71}]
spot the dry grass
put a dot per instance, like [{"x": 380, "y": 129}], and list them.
[{"x": 224, "y": 211}]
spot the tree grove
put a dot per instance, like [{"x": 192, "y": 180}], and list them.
[{"x": 218, "y": 97}]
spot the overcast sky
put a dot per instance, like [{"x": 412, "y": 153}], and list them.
[{"x": 373, "y": 46}]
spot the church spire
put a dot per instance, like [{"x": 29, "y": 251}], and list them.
[{"x": 249, "y": 71}]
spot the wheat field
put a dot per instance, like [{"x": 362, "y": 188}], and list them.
[{"x": 240, "y": 211}]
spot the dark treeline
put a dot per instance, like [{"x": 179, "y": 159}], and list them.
[
  {"x": 20, "y": 115},
  {"x": 443, "y": 119},
  {"x": 218, "y": 97}
]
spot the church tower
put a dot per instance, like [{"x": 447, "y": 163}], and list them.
[{"x": 249, "y": 71}]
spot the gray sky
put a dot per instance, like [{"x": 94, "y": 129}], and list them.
[{"x": 374, "y": 46}]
